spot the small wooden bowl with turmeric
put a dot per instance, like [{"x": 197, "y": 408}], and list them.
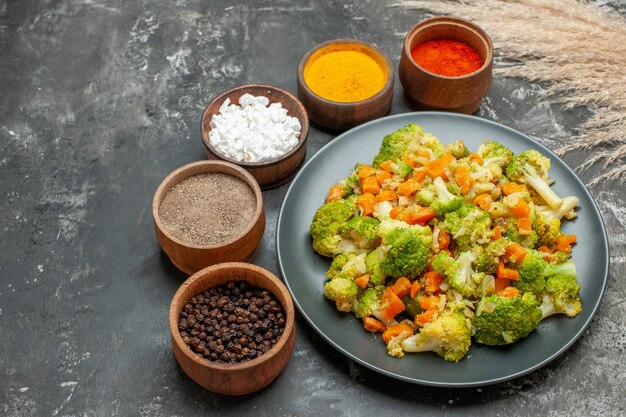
[{"x": 345, "y": 82}]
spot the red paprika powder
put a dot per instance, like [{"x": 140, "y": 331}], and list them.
[{"x": 447, "y": 57}]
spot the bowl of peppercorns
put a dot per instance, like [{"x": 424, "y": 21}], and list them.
[{"x": 232, "y": 327}]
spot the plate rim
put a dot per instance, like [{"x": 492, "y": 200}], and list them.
[{"x": 545, "y": 361}]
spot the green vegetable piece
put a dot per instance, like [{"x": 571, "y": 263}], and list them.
[
  {"x": 448, "y": 336},
  {"x": 503, "y": 320},
  {"x": 396, "y": 144},
  {"x": 328, "y": 223}
]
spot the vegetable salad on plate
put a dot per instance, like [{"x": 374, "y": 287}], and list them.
[{"x": 435, "y": 246}]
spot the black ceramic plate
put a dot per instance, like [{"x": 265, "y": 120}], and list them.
[{"x": 303, "y": 270}]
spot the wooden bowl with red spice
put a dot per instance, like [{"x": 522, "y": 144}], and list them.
[
  {"x": 446, "y": 64},
  {"x": 208, "y": 212}
]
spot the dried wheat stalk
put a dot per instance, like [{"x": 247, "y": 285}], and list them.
[{"x": 575, "y": 46}]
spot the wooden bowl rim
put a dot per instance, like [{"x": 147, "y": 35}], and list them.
[
  {"x": 205, "y": 273},
  {"x": 302, "y": 116},
  {"x": 464, "y": 23},
  {"x": 164, "y": 187},
  {"x": 348, "y": 104}
]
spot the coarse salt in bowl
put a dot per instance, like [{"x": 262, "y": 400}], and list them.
[{"x": 261, "y": 128}]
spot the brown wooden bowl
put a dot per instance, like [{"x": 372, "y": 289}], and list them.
[
  {"x": 345, "y": 115},
  {"x": 245, "y": 377},
  {"x": 189, "y": 257},
  {"x": 424, "y": 90},
  {"x": 272, "y": 172}
]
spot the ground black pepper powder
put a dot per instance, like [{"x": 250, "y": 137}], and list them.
[
  {"x": 232, "y": 323},
  {"x": 208, "y": 209}
]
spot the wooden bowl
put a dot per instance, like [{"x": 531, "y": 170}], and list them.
[
  {"x": 344, "y": 115},
  {"x": 272, "y": 172},
  {"x": 424, "y": 90},
  {"x": 189, "y": 257},
  {"x": 245, "y": 377}
]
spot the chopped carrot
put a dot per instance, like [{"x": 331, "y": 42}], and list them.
[
  {"x": 395, "y": 212},
  {"x": 547, "y": 251},
  {"x": 409, "y": 161},
  {"x": 508, "y": 292},
  {"x": 501, "y": 272},
  {"x": 401, "y": 287},
  {"x": 512, "y": 187},
  {"x": 425, "y": 317},
  {"x": 386, "y": 195},
  {"x": 483, "y": 201},
  {"x": 419, "y": 174},
  {"x": 381, "y": 176},
  {"x": 512, "y": 274},
  {"x": 525, "y": 226},
  {"x": 401, "y": 214},
  {"x": 366, "y": 203},
  {"x": 430, "y": 302},
  {"x": 501, "y": 283},
  {"x": 521, "y": 209},
  {"x": 443, "y": 239},
  {"x": 392, "y": 305},
  {"x": 366, "y": 171},
  {"x": 370, "y": 185},
  {"x": 562, "y": 243},
  {"x": 362, "y": 281},
  {"x": 335, "y": 193},
  {"x": 474, "y": 157},
  {"x": 463, "y": 179},
  {"x": 497, "y": 233},
  {"x": 432, "y": 281},
  {"x": 396, "y": 330},
  {"x": 515, "y": 252},
  {"x": 373, "y": 325},
  {"x": 415, "y": 288},
  {"x": 386, "y": 166},
  {"x": 409, "y": 187},
  {"x": 420, "y": 215},
  {"x": 422, "y": 153},
  {"x": 435, "y": 168}
]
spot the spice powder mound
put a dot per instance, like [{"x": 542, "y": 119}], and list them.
[{"x": 208, "y": 209}]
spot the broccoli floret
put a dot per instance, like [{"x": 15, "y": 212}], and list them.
[
  {"x": 442, "y": 262},
  {"x": 412, "y": 305},
  {"x": 561, "y": 292},
  {"x": 342, "y": 291},
  {"x": 460, "y": 274},
  {"x": 495, "y": 153},
  {"x": 469, "y": 225},
  {"x": 328, "y": 223},
  {"x": 373, "y": 266},
  {"x": 533, "y": 272},
  {"x": 347, "y": 265},
  {"x": 488, "y": 258},
  {"x": 559, "y": 257},
  {"x": 396, "y": 144},
  {"x": 408, "y": 251},
  {"x": 351, "y": 184},
  {"x": 363, "y": 230},
  {"x": 502, "y": 320},
  {"x": 430, "y": 142},
  {"x": 368, "y": 302},
  {"x": 458, "y": 149},
  {"x": 530, "y": 167},
  {"x": 566, "y": 209},
  {"x": 426, "y": 195},
  {"x": 448, "y": 336},
  {"x": 548, "y": 229},
  {"x": 512, "y": 233},
  {"x": 403, "y": 169},
  {"x": 445, "y": 201}
]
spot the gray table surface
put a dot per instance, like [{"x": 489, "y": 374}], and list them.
[{"x": 99, "y": 101}]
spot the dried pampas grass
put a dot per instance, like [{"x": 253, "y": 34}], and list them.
[{"x": 575, "y": 46}]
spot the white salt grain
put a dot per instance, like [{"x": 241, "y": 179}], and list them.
[{"x": 254, "y": 130}]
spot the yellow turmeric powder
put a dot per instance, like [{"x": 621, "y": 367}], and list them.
[{"x": 345, "y": 73}]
